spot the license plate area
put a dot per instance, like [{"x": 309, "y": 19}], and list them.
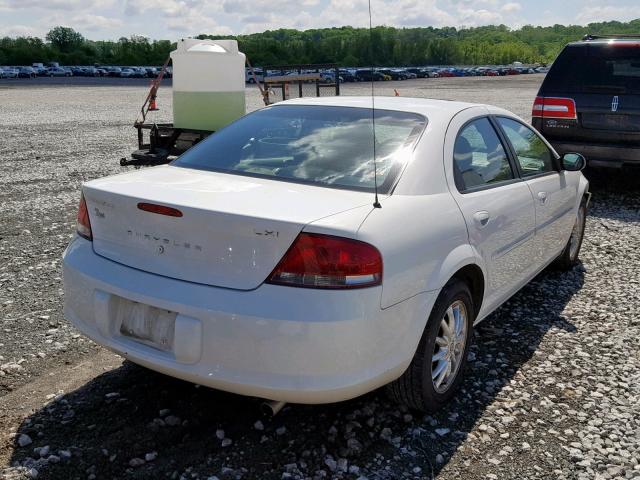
[{"x": 149, "y": 325}]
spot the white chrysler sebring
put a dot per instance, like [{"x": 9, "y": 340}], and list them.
[{"x": 259, "y": 262}]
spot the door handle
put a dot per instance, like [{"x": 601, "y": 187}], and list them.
[
  {"x": 542, "y": 196},
  {"x": 481, "y": 218}
]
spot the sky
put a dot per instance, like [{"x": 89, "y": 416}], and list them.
[{"x": 175, "y": 19}]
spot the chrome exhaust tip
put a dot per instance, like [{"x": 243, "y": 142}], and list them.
[{"x": 271, "y": 407}]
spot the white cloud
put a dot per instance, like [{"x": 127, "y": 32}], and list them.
[
  {"x": 511, "y": 7},
  {"x": 95, "y": 22},
  {"x": 68, "y": 5},
  {"x": 257, "y": 18},
  {"x": 403, "y": 13},
  {"x": 186, "y": 17},
  {"x": 21, "y": 31},
  {"x": 192, "y": 25},
  {"x": 604, "y": 13},
  {"x": 415, "y": 13},
  {"x": 476, "y": 4},
  {"x": 167, "y": 8},
  {"x": 266, "y": 7},
  {"x": 179, "y": 18},
  {"x": 473, "y": 18}
]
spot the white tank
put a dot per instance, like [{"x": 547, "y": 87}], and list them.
[{"x": 208, "y": 83}]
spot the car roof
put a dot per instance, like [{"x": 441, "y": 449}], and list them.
[
  {"x": 606, "y": 41},
  {"x": 430, "y": 108}
]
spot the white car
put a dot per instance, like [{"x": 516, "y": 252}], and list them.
[
  {"x": 259, "y": 262},
  {"x": 251, "y": 77},
  {"x": 10, "y": 72}
]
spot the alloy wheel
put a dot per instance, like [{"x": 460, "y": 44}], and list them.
[{"x": 449, "y": 346}]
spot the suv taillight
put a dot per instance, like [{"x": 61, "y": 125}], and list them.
[
  {"x": 325, "y": 261},
  {"x": 553, "y": 107},
  {"x": 83, "y": 225}
]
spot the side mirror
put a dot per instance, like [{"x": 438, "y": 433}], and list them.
[{"x": 573, "y": 162}]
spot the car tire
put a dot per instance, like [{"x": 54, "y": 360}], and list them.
[
  {"x": 570, "y": 256},
  {"x": 417, "y": 387}
]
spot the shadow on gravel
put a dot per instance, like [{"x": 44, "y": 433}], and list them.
[{"x": 130, "y": 412}]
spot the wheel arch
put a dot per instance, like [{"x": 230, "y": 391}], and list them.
[
  {"x": 583, "y": 190},
  {"x": 473, "y": 276},
  {"x": 465, "y": 263}
]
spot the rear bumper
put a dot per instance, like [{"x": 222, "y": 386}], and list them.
[
  {"x": 281, "y": 343},
  {"x": 598, "y": 155}
]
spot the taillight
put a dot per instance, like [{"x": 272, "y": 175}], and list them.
[
  {"x": 553, "y": 107},
  {"x": 83, "y": 225},
  {"x": 160, "y": 209},
  {"x": 325, "y": 261}
]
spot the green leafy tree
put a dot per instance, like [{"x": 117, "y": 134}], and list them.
[
  {"x": 347, "y": 46},
  {"x": 64, "y": 39}
]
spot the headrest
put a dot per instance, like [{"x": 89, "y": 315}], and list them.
[{"x": 463, "y": 153}]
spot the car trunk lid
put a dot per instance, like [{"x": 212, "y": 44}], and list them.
[{"x": 231, "y": 230}]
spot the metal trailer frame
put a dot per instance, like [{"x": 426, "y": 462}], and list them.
[
  {"x": 281, "y": 83},
  {"x": 165, "y": 140}
]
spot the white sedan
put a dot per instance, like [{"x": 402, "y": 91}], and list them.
[{"x": 260, "y": 263}]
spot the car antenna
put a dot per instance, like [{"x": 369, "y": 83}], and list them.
[{"x": 376, "y": 203}]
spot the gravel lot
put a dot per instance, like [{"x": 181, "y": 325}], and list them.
[{"x": 552, "y": 391}]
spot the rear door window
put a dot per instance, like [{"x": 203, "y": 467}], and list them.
[
  {"x": 532, "y": 154},
  {"x": 479, "y": 157}
]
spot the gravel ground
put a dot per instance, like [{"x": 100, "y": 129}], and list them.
[{"x": 552, "y": 391}]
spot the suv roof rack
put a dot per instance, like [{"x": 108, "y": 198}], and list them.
[{"x": 591, "y": 36}]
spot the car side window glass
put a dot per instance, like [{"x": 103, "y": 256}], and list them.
[
  {"x": 479, "y": 157},
  {"x": 532, "y": 153}
]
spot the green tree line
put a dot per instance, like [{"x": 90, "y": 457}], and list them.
[{"x": 347, "y": 46}]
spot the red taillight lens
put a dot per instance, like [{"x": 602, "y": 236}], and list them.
[
  {"x": 83, "y": 225},
  {"x": 324, "y": 261},
  {"x": 552, "y": 107}
]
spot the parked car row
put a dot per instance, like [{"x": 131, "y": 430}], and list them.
[
  {"x": 435, "y": 72},
  {"x": 39, "y": 70},
  {"x": 407, "y": 73},
  {"x": 327, "y": 76}
]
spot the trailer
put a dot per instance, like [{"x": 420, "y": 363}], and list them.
[
  {"x": 163, "y": 143},
  {"x": 160, "y": 143},
  {"x": 304, "y": 80}
]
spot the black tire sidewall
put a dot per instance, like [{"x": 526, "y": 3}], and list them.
[
  {"x": 575, "y": 260},
  {"x": 453, "y": 291}
]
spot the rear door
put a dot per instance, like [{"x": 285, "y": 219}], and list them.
[
  {"x": 603, "y": 79},
  {"x": 497, "y": 205},
  {"x": 554, "y": 194}
]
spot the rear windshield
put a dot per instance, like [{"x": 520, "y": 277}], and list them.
[
  {"x": 327, "y": 146},
  {"x": 596, "y": 68}
]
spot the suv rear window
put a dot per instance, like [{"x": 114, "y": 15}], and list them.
[
  {"x": 612, "y": 68},
  {"x": 322, "y": 145}
]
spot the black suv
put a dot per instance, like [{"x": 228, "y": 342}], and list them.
[
  {"x": 589, "y": 101},
  {"x": 369, "y": 75}
]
